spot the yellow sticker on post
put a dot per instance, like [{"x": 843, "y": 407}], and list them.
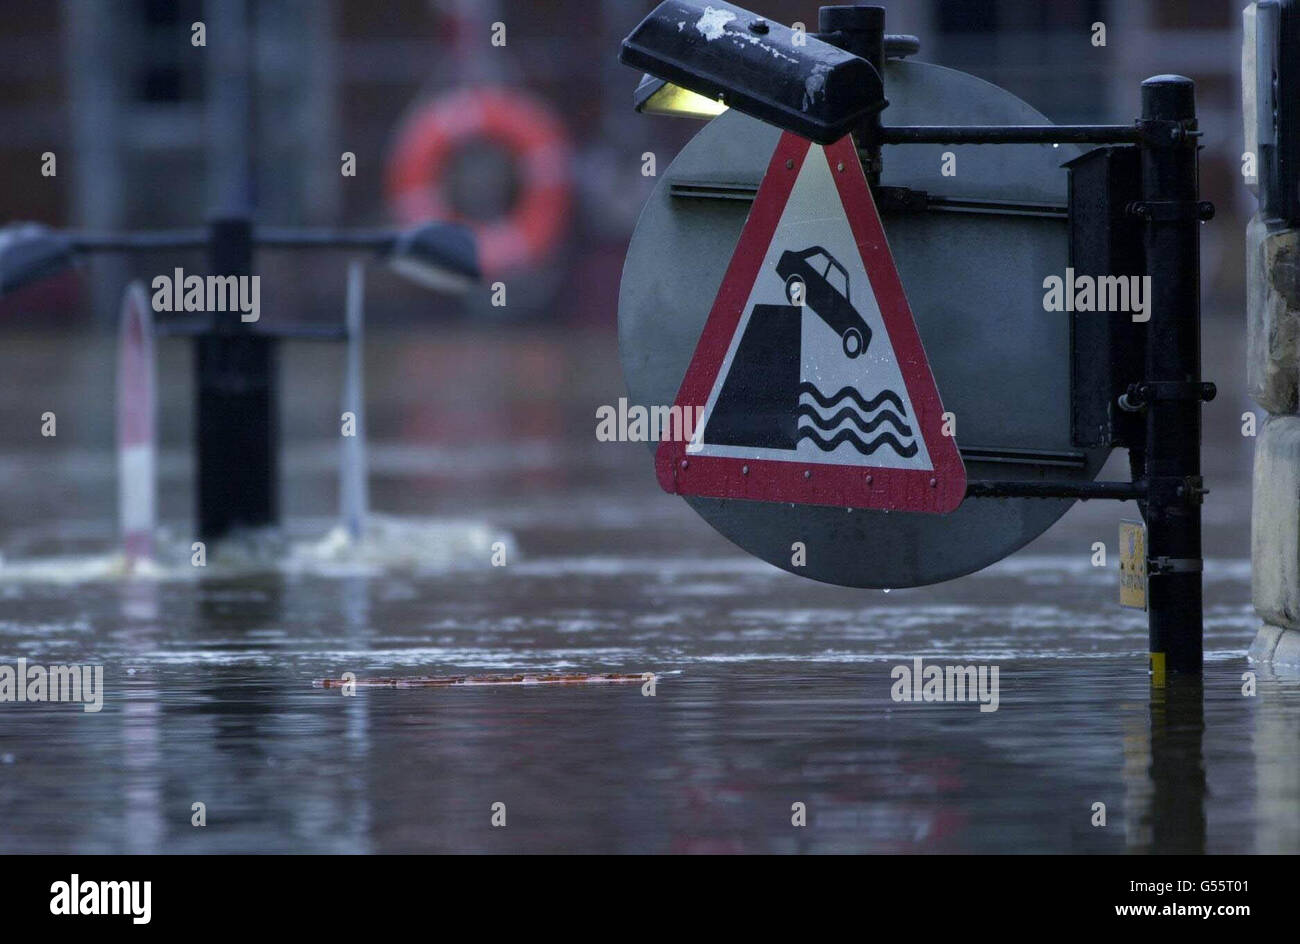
[{"x": 1133, "y": 564}]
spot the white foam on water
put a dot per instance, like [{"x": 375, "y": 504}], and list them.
[
  {"x": 74, "y": 569},
  {"x": 423, "y": 545}
]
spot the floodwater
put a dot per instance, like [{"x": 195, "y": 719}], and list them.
[{"x": 771, "y": 690}]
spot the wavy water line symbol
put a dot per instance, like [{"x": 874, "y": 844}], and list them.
[
  {"x": 851, "y": 393},
  {"x": 866, "y": 448},
  {"x": 859, "y": 412},
  {"x": 831, "y": 423}
]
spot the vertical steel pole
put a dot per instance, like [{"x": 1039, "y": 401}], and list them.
[
  {"x": 859, "y": 29},
  {"x": 1173, "y": 460},
  {"x": 235, "y": 423},
  {"x": 354, "y": 499}
]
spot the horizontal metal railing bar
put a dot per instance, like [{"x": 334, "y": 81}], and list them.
[
  {"x": 268, "y": 237},
  {"x": 1119, "y": 491},
  {"x": 927, "y": 202},
  {"x": 1010, "y": 134},
  {"x": 1018, "y": 456}
]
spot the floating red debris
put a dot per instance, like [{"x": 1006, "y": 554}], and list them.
[{"x": 429, "y": 681}]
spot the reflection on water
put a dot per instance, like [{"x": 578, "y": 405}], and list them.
[
  {"x": 1165, "y": 772},
  {"x": 1275, "y": 748},
  {"x": 210, "y": 699},
  {"x": 783, "y": 695}
]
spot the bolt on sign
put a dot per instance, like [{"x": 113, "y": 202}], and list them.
[
  {"x": 810, "y": 379},
  {"x": 1133, "y": 564}
]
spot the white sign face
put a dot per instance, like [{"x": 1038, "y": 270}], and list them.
[{"x": 811, "y": 375}]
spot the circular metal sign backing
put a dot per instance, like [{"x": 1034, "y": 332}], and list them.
[{"x": 972, "y": 265}]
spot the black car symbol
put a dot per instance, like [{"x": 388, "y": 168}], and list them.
[{"x": 815, "y": 278}]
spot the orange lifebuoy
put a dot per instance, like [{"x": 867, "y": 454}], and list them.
[{"x": 527, "y": 130}]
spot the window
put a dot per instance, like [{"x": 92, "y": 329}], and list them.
[
  {"x": 818, "y": 262},
  {"x": 838, "y": 279}
]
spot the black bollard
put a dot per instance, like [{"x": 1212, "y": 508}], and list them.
[
  {"x": 1172, "y": 212},
  {"x": 235, "y": 404}
]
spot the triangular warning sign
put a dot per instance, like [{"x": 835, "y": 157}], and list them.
[{"x": 809, "y": 383}]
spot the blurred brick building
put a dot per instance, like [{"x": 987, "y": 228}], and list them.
[{"x": 147, "y": 128}]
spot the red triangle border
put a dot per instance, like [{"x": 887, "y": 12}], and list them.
[{"x": 940, "y": 490}]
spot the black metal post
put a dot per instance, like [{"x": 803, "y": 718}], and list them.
[
  {"x": 860, "y": 29},
  {"x": 1173, "y": 454},
  {"x": 235, "y": 404}
]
